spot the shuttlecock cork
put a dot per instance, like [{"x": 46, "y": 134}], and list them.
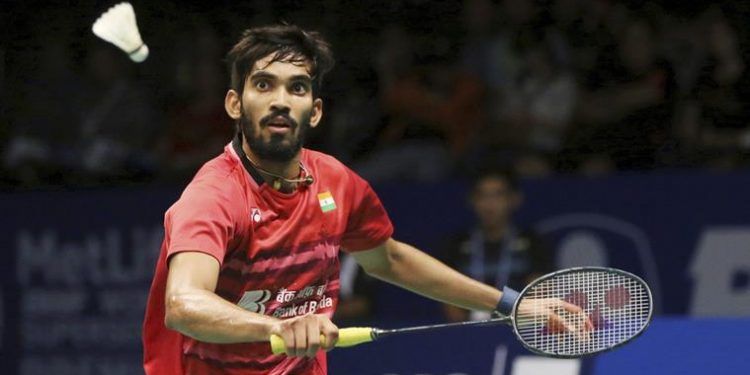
[{"x": 117, "y": 25}]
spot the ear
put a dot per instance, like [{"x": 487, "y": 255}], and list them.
[
  {"x": 233, "y": 104},
  {"x": 317, "y": 112}
]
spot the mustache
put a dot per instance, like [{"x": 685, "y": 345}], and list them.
[{"x": 274, "y": 115}]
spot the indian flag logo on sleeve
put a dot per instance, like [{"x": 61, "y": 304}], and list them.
[{"x": 326, "y": 201}]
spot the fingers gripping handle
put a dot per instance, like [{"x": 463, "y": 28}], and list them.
[{"x": 347, "y": 337}]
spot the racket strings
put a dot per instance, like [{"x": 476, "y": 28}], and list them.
[{"x": 616, "y": 306}]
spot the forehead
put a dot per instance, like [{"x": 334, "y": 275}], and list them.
[{"x": 281, "y": 68}]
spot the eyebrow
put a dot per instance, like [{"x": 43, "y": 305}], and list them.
[
  {"x": 301, "y": 77},
  {"x": 263, "y": 74}
]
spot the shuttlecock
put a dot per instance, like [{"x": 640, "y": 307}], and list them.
[{"x": 117, "y": 25}]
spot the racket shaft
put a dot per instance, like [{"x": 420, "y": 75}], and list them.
[
  {"x": 433, "y": 327},
  {"x": 347, "y": 337}
]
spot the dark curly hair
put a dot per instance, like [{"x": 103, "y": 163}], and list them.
[{"x": 288, "y": 43}]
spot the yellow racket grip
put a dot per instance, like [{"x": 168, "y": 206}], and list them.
[{"x": 347, "y": 337}]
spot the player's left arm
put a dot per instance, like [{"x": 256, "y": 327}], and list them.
[{"x": 408, "y": 267}]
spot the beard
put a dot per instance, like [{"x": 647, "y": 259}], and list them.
[{"x": 280, "y": 147}]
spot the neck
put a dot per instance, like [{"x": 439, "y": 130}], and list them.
[
  {"x": 495, "y": 232},
  {"x": 287, "y": 169}
]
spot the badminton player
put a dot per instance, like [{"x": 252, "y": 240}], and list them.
[{"x": 251, "y": 247}]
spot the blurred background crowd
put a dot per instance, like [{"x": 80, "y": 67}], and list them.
[{"x": 422, "y": 91}]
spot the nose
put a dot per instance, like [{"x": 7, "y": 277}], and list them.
[{"x": 280, "y": 101}]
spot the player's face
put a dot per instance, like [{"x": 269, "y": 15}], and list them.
[
  {"x": 278, "y": 109},
  {"x": 493, "y": 201}
]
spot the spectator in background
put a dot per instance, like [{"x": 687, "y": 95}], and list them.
[
  {"x": 403, "y": 148},
  {"x": 530, "y": 92},
  {"x": 197, "y": 125},
  {"x": 120, "y": 123},
  {"x": 485, "y": 50},
  {"x": 495, "y": 38},
  {"x": 43, "y": 141},
  {"x": 426, "y": 118},
  {"x": 626, "y": 121},
  {"x": 354, "y": 118},
  {"x": 542, "y": 106},
  {"x": 495, "y": 251},
  {"x": 589, "y": 29},
  {"x": 716, "y": 126},
  {"x": 430, "y": 113}
]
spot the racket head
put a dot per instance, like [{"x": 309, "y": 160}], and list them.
[{"x": 618, "y": 304}]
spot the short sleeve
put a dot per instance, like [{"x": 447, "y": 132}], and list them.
[
  {"x": 368, "y": 225},
  {"x": 204, "y": 219}
]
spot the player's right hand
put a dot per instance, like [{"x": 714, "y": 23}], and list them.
[
  {"x": 305, "y": 335},
  {"x": 561, "y": 316}
]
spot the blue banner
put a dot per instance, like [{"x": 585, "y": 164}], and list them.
[
  {"x": 682, "y": 346},
  {"x": 75, "y": 280}
]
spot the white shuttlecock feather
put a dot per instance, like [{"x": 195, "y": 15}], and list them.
[{"x": 117, "y": 25}]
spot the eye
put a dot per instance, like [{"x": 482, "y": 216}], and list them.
[
  {"x": 299, "y": 88},
  {"x": 262, "y": 85}
]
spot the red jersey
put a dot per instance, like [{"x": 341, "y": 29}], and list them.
[{"x": 278, "y": 254}]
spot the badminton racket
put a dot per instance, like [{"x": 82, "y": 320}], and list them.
[{"x": 570, "y": 313}]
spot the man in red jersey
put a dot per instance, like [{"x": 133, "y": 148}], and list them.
[{"x": 251, "y": 247}]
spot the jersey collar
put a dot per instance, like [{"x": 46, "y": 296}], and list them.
[{"x": 237, "y": 146}]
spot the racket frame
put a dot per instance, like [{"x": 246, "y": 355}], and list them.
[{"x": 514, "y": 312}]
